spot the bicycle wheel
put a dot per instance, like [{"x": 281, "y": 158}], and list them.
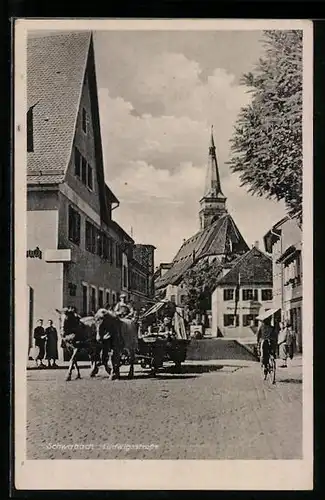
[{"x": 271, "y": 370}]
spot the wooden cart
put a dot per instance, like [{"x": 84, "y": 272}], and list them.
[{"x": 156, "y": 348}]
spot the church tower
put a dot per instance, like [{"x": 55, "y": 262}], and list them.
[{"x": 213, "y": 202}]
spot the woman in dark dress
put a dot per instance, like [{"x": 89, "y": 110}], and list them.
[
  {"x": 40, "y": 339},
  {"x": 51, "y": 344}
]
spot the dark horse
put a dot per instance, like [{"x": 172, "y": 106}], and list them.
[
  {"x": 122, "y": 335},
  {"x": 84, "y": 337}
]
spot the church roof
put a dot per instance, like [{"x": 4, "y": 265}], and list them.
[
  {"x": 213, "y": 240},
  {"x": 254, "y": 268},
  {"x": 56, "y": 67}
]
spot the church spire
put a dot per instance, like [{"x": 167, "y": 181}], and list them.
[
  {"x": 213, "y": 202},
  {"x": 212, "y": 187}
]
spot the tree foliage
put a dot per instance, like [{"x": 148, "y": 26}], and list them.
[
  {"x": 267, "y": 141},
  {"x": 200, "y": 281}
]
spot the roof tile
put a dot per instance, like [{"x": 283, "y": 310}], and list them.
[
  {"x": 209, "y": 241},
  {"x": 55, "y": 72}
]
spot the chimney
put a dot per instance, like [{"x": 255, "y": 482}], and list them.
[{"x": 256, "y": 245}]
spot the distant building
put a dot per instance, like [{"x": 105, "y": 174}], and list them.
[
  {"x": 141, "y": 274},
  {"x": 244, "y": 291},
  {"x": 284, "y": 242},
  {"x": 218, "y": 237},
  {"x": 76, "y": 253}
]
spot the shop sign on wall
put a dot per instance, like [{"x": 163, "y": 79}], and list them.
[{"x": 34, "y": 254}]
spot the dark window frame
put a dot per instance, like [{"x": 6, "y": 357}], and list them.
[
  {"x": 85, "y": 299},
  {"x": 84, "y": 170},
  {"x": 246, "y": 295},
  {"x": 90, "y": 183},
  {"x": 228, "y": 294},
  {"x": 267, "y": 294},
  {"x": 228, "y": 320},
  {"x": 74, "y": 225},
  {"x": 90, "y": 237},
  {"x": 93, "y": 294},
  {"x": 100, "y": 297}
]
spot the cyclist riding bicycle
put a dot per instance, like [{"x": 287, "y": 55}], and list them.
[{"x": 266, "y": 333}]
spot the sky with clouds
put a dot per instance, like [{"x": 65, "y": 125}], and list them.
[{"x": 159, "y": 94}]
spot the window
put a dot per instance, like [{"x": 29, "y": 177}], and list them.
[
  {"x": 267, "y": 294},
  {"x": 101, "y": 298},
  {"x": 93, "y": 299},
  {"x": 100, "y": 243},
  {"x": 77, "y": 161},
  {"x": 125, "y": 276},
  {"x": 89, "y": 176},
  {"x": 74, "y": 226},
  {"x": 107, "y": 300},
  {"x": 30, "y": 131},
  {"x": 250, "y": 294},
  {"x": 249, "y": 320},
  {"x": 228, "y": 320},
  {"x": 84, "y": 170},
  {"x": 84, "y": 300},
  {"x": 91, "y": 233},
  {"x": 228, "y": 294},
  {"x": 84, "y": 120},
  {"x": 114, "y": 299},
  {"x": 172, "y": 298},
  {"x": 107, "y": 247},
  {"x": 118, "y": 255}
]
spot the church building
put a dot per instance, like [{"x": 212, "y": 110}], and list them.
[{"x": 217, "y": 239}]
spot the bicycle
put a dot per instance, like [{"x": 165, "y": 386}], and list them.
[{"x": 268, "y": 366}]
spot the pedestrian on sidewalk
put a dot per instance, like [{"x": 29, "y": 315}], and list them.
[
  {"x": 282, "y": 344},
  {"x": 286, "y": 343},
  {"x": 39, "y": 340},
  {"x": 291, "y": 340},
  {"x": 51, "y": 345}
]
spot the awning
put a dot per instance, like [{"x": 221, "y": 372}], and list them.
[
  {"x": 155, "y": 308},
  {"x": 266, "y": 314}
]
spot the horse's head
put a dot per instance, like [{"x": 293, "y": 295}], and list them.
[
  {"x": 104, "y": 320},
  {"x": 63, "y": 314}
]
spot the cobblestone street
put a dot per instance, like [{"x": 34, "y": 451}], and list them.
[{"x": 213, "y": 410}]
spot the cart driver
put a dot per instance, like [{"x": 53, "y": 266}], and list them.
[
  {"x": 123, "y": 309},
  {"x": 166, "y": 328}
]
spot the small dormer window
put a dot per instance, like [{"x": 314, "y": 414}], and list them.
[
  {"x": 30, "y": 131},
  {"x": 84, "y": 120}
]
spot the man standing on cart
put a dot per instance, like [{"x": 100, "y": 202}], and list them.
[{"x": 123, "y": 309}]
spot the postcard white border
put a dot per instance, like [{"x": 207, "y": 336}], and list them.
[{"x": 164, "y": 474}]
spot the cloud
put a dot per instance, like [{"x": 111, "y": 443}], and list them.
[{"x": 156, "y": 162}]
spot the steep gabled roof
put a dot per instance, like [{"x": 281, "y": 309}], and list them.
[
  {"x": 254, "y": 268},
  {"x": 56, "y": 67},
  {"x": 210, "y": 241}
]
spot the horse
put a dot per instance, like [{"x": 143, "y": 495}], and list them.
[
  {"x": 83, "y": 338},
  {"x": 123, "y": 336}
]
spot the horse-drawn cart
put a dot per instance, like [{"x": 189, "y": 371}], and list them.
[{"x": 162, "y": 336}]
